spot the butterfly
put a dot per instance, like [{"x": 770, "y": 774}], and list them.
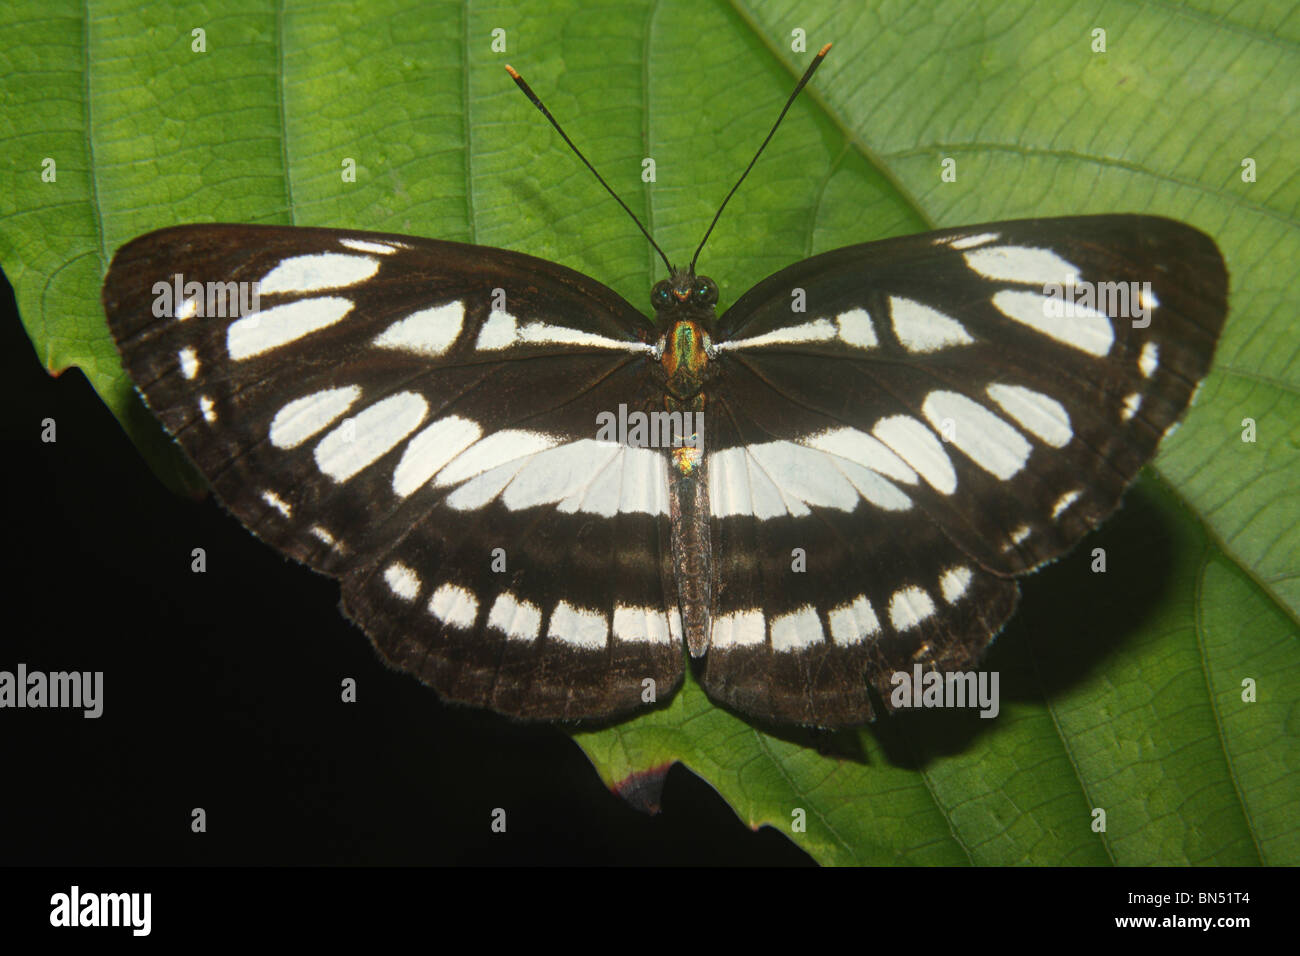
[{"x": 533, "y": 496}]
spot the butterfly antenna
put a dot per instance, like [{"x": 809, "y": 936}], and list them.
[
  {"x": 528, "y": 92},
  {"x": 807, "y": 75}
]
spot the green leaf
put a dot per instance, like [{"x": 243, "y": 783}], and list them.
[{"x": 1120, "y": 691}]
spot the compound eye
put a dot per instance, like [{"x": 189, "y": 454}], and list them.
[
  {"x": 661, "y": 295},
  {"x": 706, "y": 291}
]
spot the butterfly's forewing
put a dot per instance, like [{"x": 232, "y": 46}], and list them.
[
  {"x": 924, "y": 432},
  {"x": 416, "y": 418}
]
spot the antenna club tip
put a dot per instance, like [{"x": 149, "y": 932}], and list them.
[
  {"x": 824, "y": 50},
  {"x": 511, "y": 70}
]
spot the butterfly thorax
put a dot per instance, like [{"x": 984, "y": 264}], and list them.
[{"x": 685, "y": 361}]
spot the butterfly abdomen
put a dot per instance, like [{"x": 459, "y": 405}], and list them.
[{"x": 692, "y": 551}]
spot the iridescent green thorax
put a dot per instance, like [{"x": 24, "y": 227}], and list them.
[{"x": 685, "y": 359}]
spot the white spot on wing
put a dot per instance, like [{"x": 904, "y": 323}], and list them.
[
  {"x": 644, "y": 485},
  {"x": 427, "y": 332},
  {"x": 797, "y": 630},
  {"x": 580, "y": 628},
  {"x": 856, "y": 329},
  {"x": 402, "y": 581},
  {"x": 517, "y": 620},
  {"x": 923, "y": 329},
  {"x": 1041, "y": 416},
  {"x": 642, "y": 625},
  {"x": 303, "y": 417},
  {"x": 954, "y": 582},
  {"x": 1085, "y": 329},
  {"x": 432, "y": 448},
  {"x": 862, "y": 449},
  {"x": 565, "y": 475},
  {"x": 633, "y": 479},
  {"x": 819, "y": 330},
  {"x": 189, "y": 362},
  {"x": 499, "y": 448},
  {"x": 361, "y": 440},
  {"x": 278, "y": 503},
  {"x": 736, "y": 487},
  {"x": 498, "y": 332},
  {"x": 454, "y": 606},
  {"x": 1149, "y": 359},
  {"x": 481, "y": 489},
  {"x": 853, "y": 623},
  {"x": 1131, "y": 405},
  {"x": 210, "y": 412},
  {"x": 800, "y": 474},
  {"x": 501, "y": 330},
  {"x": 970, "y": 242},
  {"x": 909, "y": 607},
  {"x": 317, "y": 272},
  {"x": 871, "y": 486},
  {"x": 368, "y": 245},
  {"x": 1064, "y": 502},
  {"x": 738, "y": 629},
  {"x": 984, "y": 438},
  {"x": 589, "y": 476},
  {"x": 777, "y": 477},
  {"x": 539, "y": 333},
  {"x": 1022, "y": 264},
  {"x": 917, "y": 446},
  {"x": 271, "y": 328},
  {"x": 600, "y": 492}
]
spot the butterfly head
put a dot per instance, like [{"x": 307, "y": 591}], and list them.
[{"x": 684, "y": 295}]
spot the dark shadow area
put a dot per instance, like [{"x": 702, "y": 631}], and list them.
[
  {"x": 1069, "y": 620},
  {"x": 1079, "y": 618}
]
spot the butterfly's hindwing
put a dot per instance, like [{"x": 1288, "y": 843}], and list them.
[
  {"x": 573, "y": 629},
  {"x": 817, "y": 606},
  {"x": 418, "y": 419},
  {"x": 929, "y": 422}
]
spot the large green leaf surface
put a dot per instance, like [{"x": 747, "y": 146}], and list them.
[{"x": 1122, "y": 691}]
